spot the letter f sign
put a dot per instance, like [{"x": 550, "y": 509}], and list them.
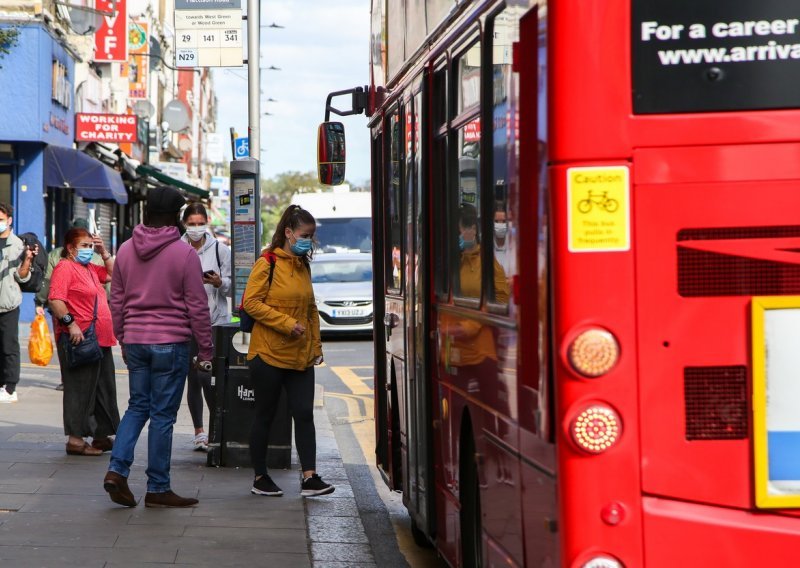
[{"x": 109, "y": 43}]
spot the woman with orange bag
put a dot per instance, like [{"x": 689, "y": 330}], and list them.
[{"x": 78, "y": 300}]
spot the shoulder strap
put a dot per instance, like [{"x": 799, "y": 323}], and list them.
[
  {"x": 219, "y": 264},
  {"x": 271, "y": 258}
]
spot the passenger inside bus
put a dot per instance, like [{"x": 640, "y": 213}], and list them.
[{"x": 470, "y": 342}]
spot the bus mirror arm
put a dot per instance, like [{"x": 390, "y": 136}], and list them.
[{"x": 358, "y": 105}]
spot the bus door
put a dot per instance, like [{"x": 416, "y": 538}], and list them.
[
  {"x": 419, "y": 483},
  {"x": 394, "y": 317}
]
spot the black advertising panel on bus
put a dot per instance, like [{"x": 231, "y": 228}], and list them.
[{"x": 712, "y": 55}]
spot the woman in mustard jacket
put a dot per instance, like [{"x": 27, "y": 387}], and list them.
[{"x": 284, "y": 347}]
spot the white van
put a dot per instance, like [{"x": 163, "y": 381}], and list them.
[{"x": 344, "y": 218}]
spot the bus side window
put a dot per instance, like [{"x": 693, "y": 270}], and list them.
[
  {"x": 394, "y": 267},
  {"x": 440, "y": 228},
  {"x": 503, "y": 31},
  {"x": 466, "y": 186}
]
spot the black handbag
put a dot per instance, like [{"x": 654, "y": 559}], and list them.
[{"x": 87, "y": 351}]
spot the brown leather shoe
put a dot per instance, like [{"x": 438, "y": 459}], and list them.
[
  {"x": 117, "y": 488},
  {"x": 168, "y": 500},
  {"x": 103, "y": 444},
  {"x": 82, "y": 450}
]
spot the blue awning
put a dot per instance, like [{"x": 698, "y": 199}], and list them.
[{"x": 90, "y": 178}]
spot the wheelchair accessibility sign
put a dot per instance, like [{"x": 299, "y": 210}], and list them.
[
  {"x": 241, "y": 148},
  {"x": 599, "y": 209}
]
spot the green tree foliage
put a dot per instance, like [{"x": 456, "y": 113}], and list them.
[{"x": 276, "y": 194}]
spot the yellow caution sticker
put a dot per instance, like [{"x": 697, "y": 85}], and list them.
[{"x": 598, "y": 209}]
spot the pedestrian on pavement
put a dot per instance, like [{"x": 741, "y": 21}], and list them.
[
  {"x": 284, "y": 347},
  {"x": 54, "y": 258},
  {"x": 15, "y": 268},
  {"x": 157, "y": 303},
  {"x": 215, "y": 259},
  {"x": 77, "y": 297}
]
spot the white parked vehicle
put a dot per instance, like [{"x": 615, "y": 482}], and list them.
[
  {"x": 344, "y": 219},
  {"x": 343, "y": 289}
]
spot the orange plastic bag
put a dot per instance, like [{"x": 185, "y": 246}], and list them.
[{"x": 40, "y": 348}]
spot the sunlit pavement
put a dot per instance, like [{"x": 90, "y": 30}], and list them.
[{"x": 54, "y": 512}]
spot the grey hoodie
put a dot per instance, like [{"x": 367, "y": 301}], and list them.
[{"x": 217, "y": 297}]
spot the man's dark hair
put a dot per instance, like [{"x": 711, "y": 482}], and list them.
[
  {"x": 156, "y": 220},
  {"x": 163, "y": 206},
  {"x": 7, "y": 209}
]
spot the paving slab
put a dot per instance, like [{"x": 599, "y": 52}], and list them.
[{"x": 54, "y": 512}]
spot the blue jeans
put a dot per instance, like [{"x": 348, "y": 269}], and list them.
[{"x": 157, "y": 374}]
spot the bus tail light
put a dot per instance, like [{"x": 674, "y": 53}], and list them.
[
  {"x": 603, "y": 561},
  {"x": 593, "y": 352},
  {"x": 596, "y": 428}
]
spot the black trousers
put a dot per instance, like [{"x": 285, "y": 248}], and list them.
[
  {"x": 9, "y": 349},
  {"x": 90, "y": 397},
  {"x": 198, "y": 387},
  {"x": 267, "y": 384}
]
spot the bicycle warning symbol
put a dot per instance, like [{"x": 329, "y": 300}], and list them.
[
  {"x": 598, "y": 209},
  {"x": 602, "y": 200}
]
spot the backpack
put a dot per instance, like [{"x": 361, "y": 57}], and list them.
[
  {"x": 38, "y": 264},
  {"x": 246, "y": 321}
]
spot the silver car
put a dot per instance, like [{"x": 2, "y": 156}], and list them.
[{"x": 343, "y": 287}]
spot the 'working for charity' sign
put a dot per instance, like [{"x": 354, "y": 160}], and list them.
[{"x": 117, "y": 128}]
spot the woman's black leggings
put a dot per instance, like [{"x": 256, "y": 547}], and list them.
[
  {"x": 267, "y": 384},
  {"x": 198, "y": 387}
]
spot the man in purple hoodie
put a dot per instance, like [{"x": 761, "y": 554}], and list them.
[{"x": 157, "y": 303}]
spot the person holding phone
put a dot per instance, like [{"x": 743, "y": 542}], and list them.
[{"x": 215, "y": 259}]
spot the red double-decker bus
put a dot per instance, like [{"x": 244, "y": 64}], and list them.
[{"x": 586, "y": 234}]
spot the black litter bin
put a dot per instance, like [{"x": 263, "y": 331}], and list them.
[{"x": 232, "y": 417}]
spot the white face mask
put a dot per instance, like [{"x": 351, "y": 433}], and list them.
[
  {"x": 500, "y": 230},
  {"x": 196, "y": 233}
]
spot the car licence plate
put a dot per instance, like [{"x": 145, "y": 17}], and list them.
[{"x": 348, "y": 313}]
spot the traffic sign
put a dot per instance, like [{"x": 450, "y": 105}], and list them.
[
  {"x": 208, "y": 33},
  {"x": 241, "y": 148}
]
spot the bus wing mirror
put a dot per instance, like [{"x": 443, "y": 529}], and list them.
[{"x": 331, "y": 153}]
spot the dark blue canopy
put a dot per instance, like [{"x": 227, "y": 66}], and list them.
[{"x": 90, "y": 178}]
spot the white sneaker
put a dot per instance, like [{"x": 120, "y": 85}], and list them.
[
  {"x": 7, "y": 398},
  {"x": 201, "y": 442}
]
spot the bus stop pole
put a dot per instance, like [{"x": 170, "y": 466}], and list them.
[{"x": 254, "y": 76}]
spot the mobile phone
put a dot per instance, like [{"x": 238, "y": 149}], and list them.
[{"x": 209, "y": 273}]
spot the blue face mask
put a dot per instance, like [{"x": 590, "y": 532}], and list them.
[
  {"x": 84, "y": 256},
  {"x": 301, "y": 246},
  {"x": 3, "y": 227},
  {"x": 464, "y": 245}
]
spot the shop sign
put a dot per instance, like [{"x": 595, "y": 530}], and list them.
[
  {"x": 62, "y": 88},
  {"x": 138, "y": 68},
  {"x": 116, "y": 128},
  {"x": 110, "y": 41}
]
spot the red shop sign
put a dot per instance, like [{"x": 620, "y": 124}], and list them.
[
  {"x": 117, "y": 128},
  {"x": 111, "y": 40}
]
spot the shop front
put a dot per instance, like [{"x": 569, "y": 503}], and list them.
[{"x": 42, "y": 175}]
